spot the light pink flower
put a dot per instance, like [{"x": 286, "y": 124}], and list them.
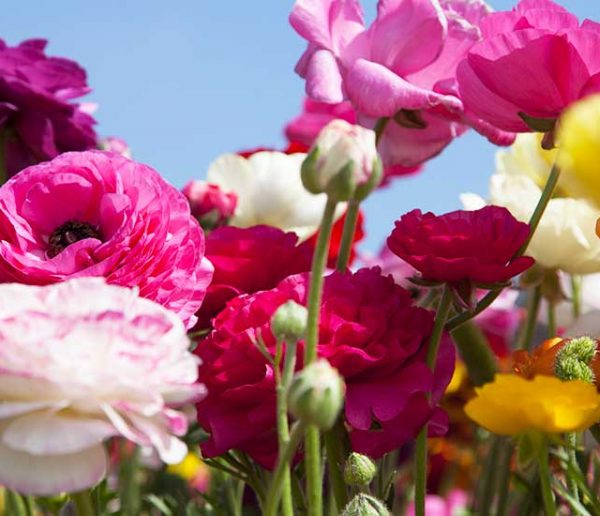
[
  {"x": 115, "y": 144},
  {"x": 453, "y": 504},
  {"x": 82, "y": 361},
  {"x": 99, "y": 214},
  {"x": 535, "y": 60},
  {"x": 390, "y": 72}
]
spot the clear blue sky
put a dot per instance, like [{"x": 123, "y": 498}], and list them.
[{"x": 186, "y": 80}]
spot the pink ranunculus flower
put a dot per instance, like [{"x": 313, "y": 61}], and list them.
[
  {"x": 533, "y": 61},
  {"x": 453, "y": 504},
  {"x": 210, "y": 204},
  {"x": 82, "y": 361},
  {"x": 99, "y": 214},
  {"x": 406, "y": 75},
  {"x": 38, "y": 118}
]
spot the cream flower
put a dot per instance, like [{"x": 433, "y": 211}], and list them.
[
  {"x": 270, "y": 191},
  {"x": 565, "y": 238},
  {"x": 82, "y": 361}
]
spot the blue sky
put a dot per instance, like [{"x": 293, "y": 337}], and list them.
[{"x": 187, "y": 80}]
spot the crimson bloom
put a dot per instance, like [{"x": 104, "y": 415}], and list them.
[
  {"x": 532, "y": 63},
  {"x": 38, "y": 118},
  {"x": 369, "y": 331},
  {"x": 100, "y": 214},
  {"x": 247, "y": 260},
  {"x": 462, "y": 246}
]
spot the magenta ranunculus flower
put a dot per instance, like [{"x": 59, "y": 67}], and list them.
[
  {"x": 210, "y": 204},
  {"x": 38, "y": 118},
  {"x": 407, "y": 75},
  {"x": 533, "y": 62},
  {"x": 369, "y": 331},
  {"x": 462, "y": 246},
  {"x": 99, "y": 214},
  {"x": 81, "y": 362}
]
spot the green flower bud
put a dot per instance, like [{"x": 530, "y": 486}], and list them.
[
  {"x": 289, "y": 322},
  {"x": 573, "y": 361},
  {"x": 316, "y": 395},
  {"x": 365, "y": 505},
  {"x": 359, "y": 470}
]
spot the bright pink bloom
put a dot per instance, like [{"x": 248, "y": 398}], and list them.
[
  {"x": 212, "y": 206},
  {"x": 369, "y": 331},
  {"x": 386, "y": 72},
  {"x": 536, "y": 60},
  {"x": 99, "y": 214},
  {"x": 474, "y": 246},
  {"x": 80, "y": 362},
  {"x": 247, "y": 260},
  {"x": 453, "y": 504},
  {"x": 38, "y": 119}
]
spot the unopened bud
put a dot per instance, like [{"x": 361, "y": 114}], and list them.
[
  {"x": 573, "y": 361},
  {"x": 365, "y": 505},
  {"x": 289, "y": 322},
  {"x": 316, "y": 395},
  {"x": 359, "y": 470},
  {"x": 343, "y": 162}
]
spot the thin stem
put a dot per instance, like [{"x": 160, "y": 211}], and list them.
[
  {"x": 576, "y": 295},
  {"x": 234, "y": 491},
  {"x": 504, "y": 479},
  {"x": 335, "y": 440},
  {"x": 130, "y": 489},
  {"x": 348, "y": 235},
  {"x": 534, "y": 222},
  {"x": 533, "y": 308},
  {"x": 83, "y": 503},
  {"x": 488, "y": 480},
  {"x": 285, "y": 457},
  {"x": 551, "y": 319},
  {"x": 420, "y": 465},
  {"x": 550, "y": 508},
  {"x": 572, "y": 454},
  {"x": 475, "y": 353},
  {"x": 312, "y": 444}
]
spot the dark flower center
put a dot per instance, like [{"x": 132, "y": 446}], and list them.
[{"x": 69, "y": 233}]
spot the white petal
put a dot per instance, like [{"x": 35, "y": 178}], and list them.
[{"x": 45, "y": 475}]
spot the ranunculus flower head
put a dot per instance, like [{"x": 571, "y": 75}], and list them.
[
  {"x": 531, "y": 64},
  {"x": 82, "y": 361},
  {"x": 462, "y": 246},
  {"x": 247, "y": 260},
  {"x": 512, "y": 405},
  {"x": 38, "y": 118},
  {"x": 99, "y": 214},
  {"x": 343, "y": 161},
  {"x": 212, "y": 206},
  {"x": 369, "y": 331}
]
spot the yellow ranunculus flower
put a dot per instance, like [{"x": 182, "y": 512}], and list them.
[
  {"x": 511, "y": 405},
  {"x": 579, "y": 148}
]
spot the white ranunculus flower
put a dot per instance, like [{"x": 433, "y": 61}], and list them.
[
  {"x": 565, "y": 238},
  {"x": 80, "y": 362},
  {"x": 270, "y": 191}
]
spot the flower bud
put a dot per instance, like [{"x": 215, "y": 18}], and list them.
[
  {"x": 365, "y": 505},
  {"x": 289, "y": 322},
  {"x": 212, "y": 206},
  {"x": 316, "y": 395},
  {"x": 359, "y": 470},
  {"x": 343, "y": 162},
  {"x": 573, "y": 361},
  {"x": 116, "y": 145}
]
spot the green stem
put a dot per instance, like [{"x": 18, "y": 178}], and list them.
[
  {"x": 312, "y": 444},
  {"x": 83, "y": 503},
  {"x": 533, "y": 308},
  {"x": 285, "y": 457},
  {"x": 551, "y": 320},
  {"x": 576, "y": 295},
  {"x": 420, "y": 465},
  {"x": 335, "y": 440},
  {"x": 348, "y": 235},
  {"x": 550, "y": 508},
  {"x": 130, "y": 489},
  {"x": 572, "y": 453},
  {"x": 504, "y": 479},
  {"x": 475, "y": 353},
  {"x": 283, "y": 382},
  {"x": 234, "y": 491},
  {"x": 488, "y": 480},
  {"x": 14, "y": 504},
  {"x": 534, "y": 222}
]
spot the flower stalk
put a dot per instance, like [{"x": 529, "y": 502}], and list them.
[
  {"x": 348, "y": 235},
  {"x": 83, "y": 503}
]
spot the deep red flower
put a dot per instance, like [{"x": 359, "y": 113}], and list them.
[
  {"x": 473, "y": 246},
  {"x": 369, "y": 330},
  {"x": 247, "y": 260}
]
